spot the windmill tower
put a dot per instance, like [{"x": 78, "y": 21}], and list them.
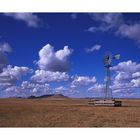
[
  {"x": 107, "y": 101},
  {"x": 107, "y": 63}
]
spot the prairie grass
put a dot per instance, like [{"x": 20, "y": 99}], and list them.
[{"x": 67, "y": 113}]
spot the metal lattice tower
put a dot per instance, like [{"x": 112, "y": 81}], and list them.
[
  {"x": 108, "y": 83},
  {"x": 107, "y": 62}
]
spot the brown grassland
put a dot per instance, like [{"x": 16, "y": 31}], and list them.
[{"x": 49, "y": 112}]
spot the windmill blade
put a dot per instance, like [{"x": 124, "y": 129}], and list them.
[{"x": 117, "y": 56}]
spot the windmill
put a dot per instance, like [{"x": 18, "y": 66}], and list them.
[
  {"x": 107, "y": 63},
  {"x": 107, "y": 101}
]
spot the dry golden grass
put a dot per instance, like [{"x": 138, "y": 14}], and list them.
[{"x": 67, "y": 113}]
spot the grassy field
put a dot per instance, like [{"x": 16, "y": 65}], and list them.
[{"x": 67, "y": 113}]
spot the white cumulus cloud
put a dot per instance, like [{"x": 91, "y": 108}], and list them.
[
  {"x": 136, "y": 75},
  {"x": 35, "y": 89},
  {"x": 42, "y": 76},
  {"x": 136, "y": 82},
  {"x": 10, "y": 75},
  {"x": 97, "y": 88},
  {"x": 26, "y": 89},
  {"x": 60, "y": 90},
  {"x": 54, "y": 61},
  {"x": 126, "y": 71},
  {"x": 127, "y": 78},
  {"x": 128, "y": 66},
  {"x": 82, "y": 81}
]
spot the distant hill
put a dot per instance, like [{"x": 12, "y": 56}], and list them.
[
  {"x": 52, "y": 96},
  {"x": 42, "y": 96},
  {"x": 58, "y": 96}
]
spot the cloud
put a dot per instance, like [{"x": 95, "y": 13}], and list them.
[
  {"x": 26, "y": 89},
  {"x": 122, "y": 76},
  {"x": 42, "y": 76},
  {"x": 125, "y": 93},
  {"x": 117, "y": 84},
  {"x": 127, "y": 67},
  {"x": 126, "y": 72},
  {"x": 107, "y": 21},
  {"x": 136, "y": 75},
  {"x": 73, "y": 16},
  {"x": 60, "y": 90},
  {"x": 35, "y": 89},
  {"x": 4, "y": 48},
  {"x": 111, "y": 19},
  {"x": 130, "y": 31},
  {"x": 136, "y": 82},
  {"x": 94, "y": 48},
  {"x": 54, "y": 61},
  {"x": 30, "y": 19},
  {"x": 124, "y": 89},
  {"x": 97, "y": 88},
  {"x": 12, "y": 91},
  {"x": 127, "y": 78},
  {"x": 82, "y": 81},
  {"x": 10, "y": 75},
  {"x": 115, "y": 22},
  {"x": 91, "y": 29}
]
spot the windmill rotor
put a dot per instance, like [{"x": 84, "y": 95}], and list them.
[{"x": 107, "y": 59}]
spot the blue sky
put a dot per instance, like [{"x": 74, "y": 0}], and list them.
[{"x": 77, "y": 43}]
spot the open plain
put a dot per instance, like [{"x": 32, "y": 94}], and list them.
[{"x": 66, "y": 112}]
